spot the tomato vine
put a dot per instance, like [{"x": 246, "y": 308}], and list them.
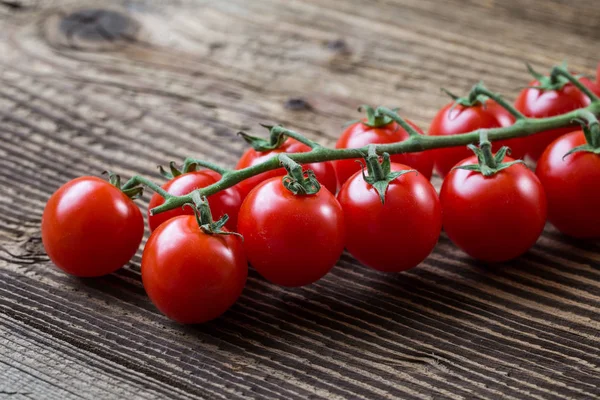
[{"x": 415, "y": 143}]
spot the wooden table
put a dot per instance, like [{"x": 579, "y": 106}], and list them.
[{"x": 139, "y": 83}]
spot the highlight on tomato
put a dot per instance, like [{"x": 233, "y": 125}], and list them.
[
  {"x": 569, "y": 170},
  {"x": 293, "y": 228},
  {"x": 392, "y": 215},
  {"x": 494, "y": 207},
  {"x": 466, "y": 114},
  {"x": 262, "y": 150},
  {"x": 90, "y": 227},
  {"x": 226, "y": 202},
  {"x": 548, "y": 96},
  {"x": 193, "y": 269},
  {"x": 379, "y": 129}
]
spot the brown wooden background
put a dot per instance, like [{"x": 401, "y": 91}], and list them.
[{"x": 126, "y": 85}]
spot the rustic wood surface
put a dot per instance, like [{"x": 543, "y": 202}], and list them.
[{"x": 139, "y": 83}]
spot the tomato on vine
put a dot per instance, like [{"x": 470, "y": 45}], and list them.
[
  {"x": 225, "y": 202},
  {"x": 393, "y": 216},
  {"x": 494, "y": 208},
  {"x": 293, "y": 228},
  {"x": 466, "y": 114},
  {"x": 379, "y": 129},
  {"x": 90, "y": 227},
  {"x": 569, "y": 170},
  {"x": 324, "y": 171},
  {"x": 547, "y": 97},
  {"x": 192, "y": 269}
]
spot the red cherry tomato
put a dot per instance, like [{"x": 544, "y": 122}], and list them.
[
  {"x": 227, "y": 201},
  {"x": 571, "y": 186},
  {"x": 324, "y": 171},
  {"x": 359, "y": 135},
  {"x": 494, "y": 218},
  {"x": 397, "y": 235},
  {"x": 191, "y": 276},
  {"x": 455, "y": 118},
  {"x": 91, "y": 228},
  {"x": 537, "y": 103},
  {"x": 291, "y": 240}
]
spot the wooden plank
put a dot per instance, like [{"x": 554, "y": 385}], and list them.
[{"x": 141, "y": 83}]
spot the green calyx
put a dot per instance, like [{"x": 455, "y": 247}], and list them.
[
  {"x": 488, "y": 164},
  {"x": 380, "y": 173},
  {"x": 474, "y": 98},
  {"x": 276, "y": 138},
  {"x": 204, "y": 217},
  {"x": 297, "y": 181},
  {"x": 191, "y": 165},
  {"x": 174, "y": 171},
  {"x": 552, "y": 82},
  {"x": 591, "y": 131},
  {"x": 375, "y": 119},
  {"x": 115, "y": 180}
]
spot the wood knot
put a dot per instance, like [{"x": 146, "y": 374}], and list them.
[
  {"x": 92, "y": 29},
  {"x": 338, "y": 46},
  {"x": 297, "y": 104}
]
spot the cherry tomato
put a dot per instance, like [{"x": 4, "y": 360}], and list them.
[
  {"x": 91, "y": 228},
  {"x": 291, "y": 240},
  {"x": 495, "y": 218},
  {"x": 571, "y": 186},
  {"x": 455, "y": 118},
  {"x": 191, "y": 276},
  {"x": 397, "y": 235},
  {"x": 537, "y": 103},
  {"x": 227, "y": 201},
  {"x": 324, "y": 172},
  {"x": 359, "y": 135}
]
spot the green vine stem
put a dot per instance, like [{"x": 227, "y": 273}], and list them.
[
  {"x": 558, "y": 71},
  {"x": 415, "y": 143},
  {"x": 480, "y": 89},
  {"x": 140, "y": 180},
  {"x": 190, "y": 161},
  {"x": 280, "y": 130}
]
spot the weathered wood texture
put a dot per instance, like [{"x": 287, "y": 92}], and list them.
[{"x": 142, "y": 83}]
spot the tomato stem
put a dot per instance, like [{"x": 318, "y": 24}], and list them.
[
  {"x": 138, "y": 180},
  {"x": 486, "y": 149},
  {"x": 374, "y": 166},
  {"x": 480, "y": 89},
  {"x": 298, "y": 181},
  {"x": 401, "y": 121},
  {"x": 280, "y": 130},
  {"x": 562, "y": 71},
  {"x": 190, "y": 163}
]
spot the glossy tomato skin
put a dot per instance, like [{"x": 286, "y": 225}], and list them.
[
  {"x": 224, "y": 202},
  {"x": 359, "y": 135},
  {"x": 90, "y": 228},
  {"x": 455, "y": 118},
  {"x": 324, "y": 172},
  {"x": 537, "y": 103},
  {"x": 291, "y": 240},
  {"x": 571, "y": 186},
  {"x": 397, "y": 235},
  {"x": 494, "y": 218},
  {"x": 190, "y": 276}
]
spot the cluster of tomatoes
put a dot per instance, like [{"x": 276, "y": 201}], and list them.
[{"x": 388, "y": 218}]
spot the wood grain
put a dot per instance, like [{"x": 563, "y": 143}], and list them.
[{"x": 134, "y": 84}]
